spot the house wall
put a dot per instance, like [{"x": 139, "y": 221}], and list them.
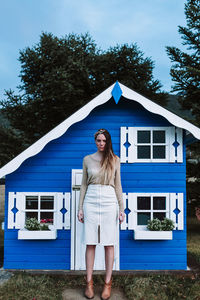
[{"x": 50, "y": 171}]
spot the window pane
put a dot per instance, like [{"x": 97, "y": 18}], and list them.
[
  {"x": 143, "y": 218},
  {"x": 31, "y": 215},
  {"x": 46, "y": 217},
  {"x": 158, "y": 136},
  {"x": 144, "y": 151},
  {"x": 143, "y": 203},
  {"x": 158, "y": 151},
  {"x": 46, "y": 202},
  {"x": 159, "y": 215},
  {"x": 31, "y": 202},
  {"x": 159, "y": 203},
  {"x": 143, "y": 136}
]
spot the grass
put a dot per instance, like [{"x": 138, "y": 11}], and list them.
[
  {"x": 24, "y": 286},
  {"x": 193, "y": 238}
]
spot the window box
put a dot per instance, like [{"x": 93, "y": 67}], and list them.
[
  {"x": 24, "y": 234},
  {"x": 152, "y": 235}
]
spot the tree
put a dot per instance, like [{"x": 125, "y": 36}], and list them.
[
  {"x": 186, "y": 74},
  {"x": 60, "y": 75},
  {"x": 185, "y": 71},
  {"x": 11, "y": 141}
]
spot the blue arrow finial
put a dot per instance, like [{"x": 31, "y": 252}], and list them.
[{"x": 116, "y": 92}]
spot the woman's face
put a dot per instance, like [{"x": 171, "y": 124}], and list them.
[{"x": 101, "y": 142}]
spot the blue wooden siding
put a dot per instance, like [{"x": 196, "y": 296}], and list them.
[{"x": 50, "y": 171}]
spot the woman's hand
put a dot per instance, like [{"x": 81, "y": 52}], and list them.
[
  {"x": 121, "y": 217},
  {"x": 80, "y": 216}
]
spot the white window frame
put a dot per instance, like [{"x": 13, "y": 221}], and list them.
[
  {"x": 171, "y": 134},
  {"x": 173, "y": 201},
  {"x": 151, "y": 144},
  {"x": 18, "y": 200},
  {"x": 151, "y": 210},
  {"x": 38, "y": 210}
]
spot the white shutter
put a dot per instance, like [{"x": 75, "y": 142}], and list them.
[
  {"x": 131, "y": 140},
  {"x": 176, "y": 203},
  {"x": 179, "y": 133},
  {"x": 59, "y": 215},
  {"x": 132, "y": 216},
  {"x": 176, "y": 136},
  {"x": 123, "y": 132},
  {"x": 180, "y": 215},
  {"x": 67, "y": 215},
  {"x": 124, "y": 224},
  {"x": 16, "y": 215},
  {"x": 171, "y": 142},
  {"x": 62, "y": 203}
]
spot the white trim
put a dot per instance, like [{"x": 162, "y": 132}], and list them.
[
  {"x": 20, "y": 197},
  {"x": 83, "y": 112},
  {"x": 172, "y": 135},
  {"x": 24, "y": 234},
  {"x": 56, "y": 132},
  {"x": 177, "y": 202},
  {"x": 151, "y": 144},
  {"x": 157, "y": 109},
  {"x": 124, "y": 225},
  {"x": 180, "y": 215},
  {"x": 171, "y": 200},
  {"x": 152, "y": 235}
]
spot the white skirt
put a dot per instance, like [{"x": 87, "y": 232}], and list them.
[{"x": 101, "y": 212}]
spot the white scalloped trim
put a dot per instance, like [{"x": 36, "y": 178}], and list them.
[{"x": 83, "y": 112}]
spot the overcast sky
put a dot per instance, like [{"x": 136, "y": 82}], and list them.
[{"x": 152, "y": 24}]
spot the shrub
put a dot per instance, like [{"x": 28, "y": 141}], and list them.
[
  {"x": 157, "y": 225},
  {"x": 33, "y": 224},
  {"x": 44, "y": 227},
  {"x": 167, "y": 224},
  {"x": 154, "y": 225}
]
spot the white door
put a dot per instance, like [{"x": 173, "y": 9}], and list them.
[{"x": 77, "y": 248}]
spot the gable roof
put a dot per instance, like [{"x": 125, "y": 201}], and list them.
[{"x": 116, "y": 90}]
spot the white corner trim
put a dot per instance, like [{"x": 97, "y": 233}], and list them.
[
  {"x": 157, "y": 109},
  {"x": 56, "y": 132},
  {"x": 84, "y": 111}
]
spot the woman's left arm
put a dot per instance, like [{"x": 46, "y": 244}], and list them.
[{"x": 118, "y": 191}]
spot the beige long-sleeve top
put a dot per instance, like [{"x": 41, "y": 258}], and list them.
[{"x": 91, "y": 168}]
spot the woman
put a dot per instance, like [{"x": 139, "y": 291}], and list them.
[{"x": 100, "y": 207}]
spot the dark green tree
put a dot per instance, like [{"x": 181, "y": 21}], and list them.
[
  {"x": 11, "y": 141},
  {"x": 185, "y": 71},
  {"x": 60, "y": 75}
]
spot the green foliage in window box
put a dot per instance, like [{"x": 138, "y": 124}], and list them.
[
  {"x": 154, "y": 225},
  {"x": 157, "y": 225},
  {"x": 33, "y": 224},
  {"x": 44, "y": 227},
  {"x": 167, "y": 224}
]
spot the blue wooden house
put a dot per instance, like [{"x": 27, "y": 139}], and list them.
[{"x": 44, "y": 182}]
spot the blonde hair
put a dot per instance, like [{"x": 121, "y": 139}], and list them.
[{"x": 108, "y": 159}]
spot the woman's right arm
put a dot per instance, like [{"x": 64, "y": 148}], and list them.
[{"x": 82, "y": 190}]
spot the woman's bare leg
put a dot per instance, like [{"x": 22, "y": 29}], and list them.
[
  {"x": 89, "y": 258},
  {"x": 109, "y": 261}
]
